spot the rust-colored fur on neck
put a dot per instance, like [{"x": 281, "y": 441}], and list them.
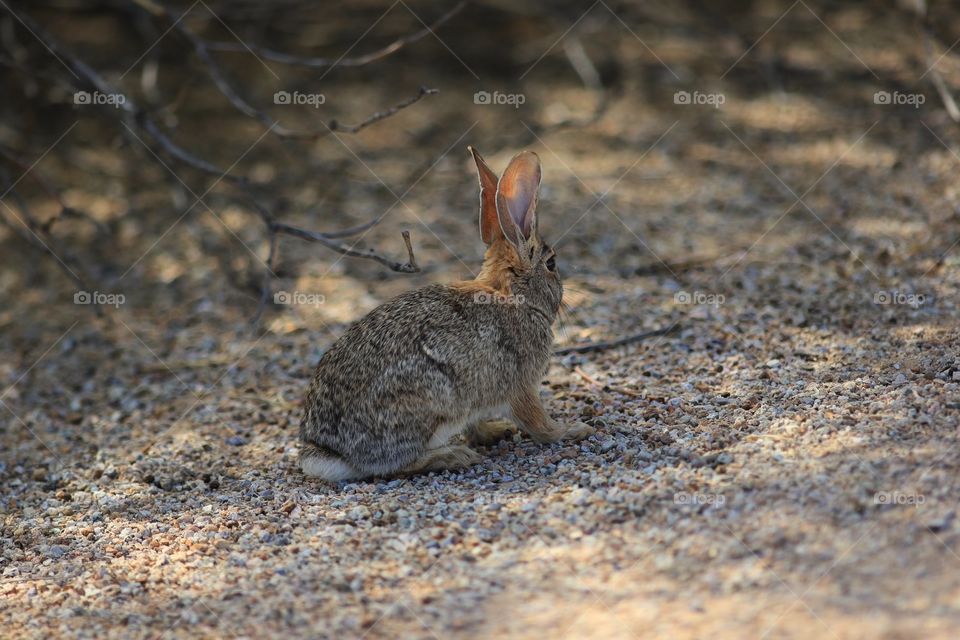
[{"x": 495, "y": 274}]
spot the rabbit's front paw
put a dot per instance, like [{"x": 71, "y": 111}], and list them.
[{"x": 578, "y": 431}]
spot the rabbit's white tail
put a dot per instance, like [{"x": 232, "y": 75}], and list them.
[{"x": 324, "y": 464}]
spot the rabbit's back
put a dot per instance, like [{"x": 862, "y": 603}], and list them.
[{"x": 431, "y": 359}]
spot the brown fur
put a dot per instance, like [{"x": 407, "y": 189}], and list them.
[
  {"x": 402, "y": 383},
  {"x": 495, "y": 274}
]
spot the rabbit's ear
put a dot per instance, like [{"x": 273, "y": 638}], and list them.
[
  {"x": 489, "y": 224},
  {"x": 517, "y": 197}
]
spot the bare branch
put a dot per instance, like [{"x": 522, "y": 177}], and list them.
[
  {"x": 319, "y": 63},
  {"x": 312, "y": 236},
  {"x": 411, "y": 259},
  {"x": 381, "y": 115},
  {"x": 352, "y": 231}
]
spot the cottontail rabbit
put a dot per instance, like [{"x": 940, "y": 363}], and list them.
[{"x": 394, "y": 392}]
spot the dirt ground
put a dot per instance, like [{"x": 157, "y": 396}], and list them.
[{"x": 783, "y": 464}]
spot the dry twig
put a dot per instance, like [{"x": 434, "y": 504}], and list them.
[{"x": 613, "y": 344}]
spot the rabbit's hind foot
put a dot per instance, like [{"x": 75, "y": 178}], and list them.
[
  {"x": 488, "y": 432},
  {"x": 451, "y": 456}
]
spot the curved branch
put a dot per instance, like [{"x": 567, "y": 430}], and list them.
[
  {"x": 241, "y": 104},
  {"x": 381, "y": 115},
  {"x": 320, "y": 63},
  {"x": 410, "y": 266}
]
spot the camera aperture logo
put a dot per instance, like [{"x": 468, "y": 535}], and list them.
[
  {"x": 899, "y": 99},
  {"x": 714, "y": 100},
  {"x": 299, "y": 298},
  {"x": 497, "y": 98},
  {"x": 483, "y": 297},
  {"x": 895, "y": 297},
  {"x": 699, "y": 298},
  {"x": 96, "y": 98},
  {"x": 898, "y": 498},
  {"x": 297, "y": 98},
  {"x": 99, "y": 298},
  {"x": 717, "y": 499}
]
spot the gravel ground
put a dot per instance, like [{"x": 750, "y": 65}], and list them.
[
  {"x": 783, "y": 464},
  {"x": 749, "y": 475}
]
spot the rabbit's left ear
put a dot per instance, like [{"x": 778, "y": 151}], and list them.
[
  {"x": 489, "y": 224},
  {"x": 517, "y": 194}
]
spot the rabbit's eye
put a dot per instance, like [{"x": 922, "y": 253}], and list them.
[{"x": 552, "y": 263}]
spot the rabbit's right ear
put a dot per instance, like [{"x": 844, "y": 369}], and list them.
[
  {"x": 489, "y": 223},
  {"x": 517, "y": 194}
]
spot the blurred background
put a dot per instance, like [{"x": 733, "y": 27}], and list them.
[
  {"x": 163, "y": 141},
  {"x": 198, "y": 197}
]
